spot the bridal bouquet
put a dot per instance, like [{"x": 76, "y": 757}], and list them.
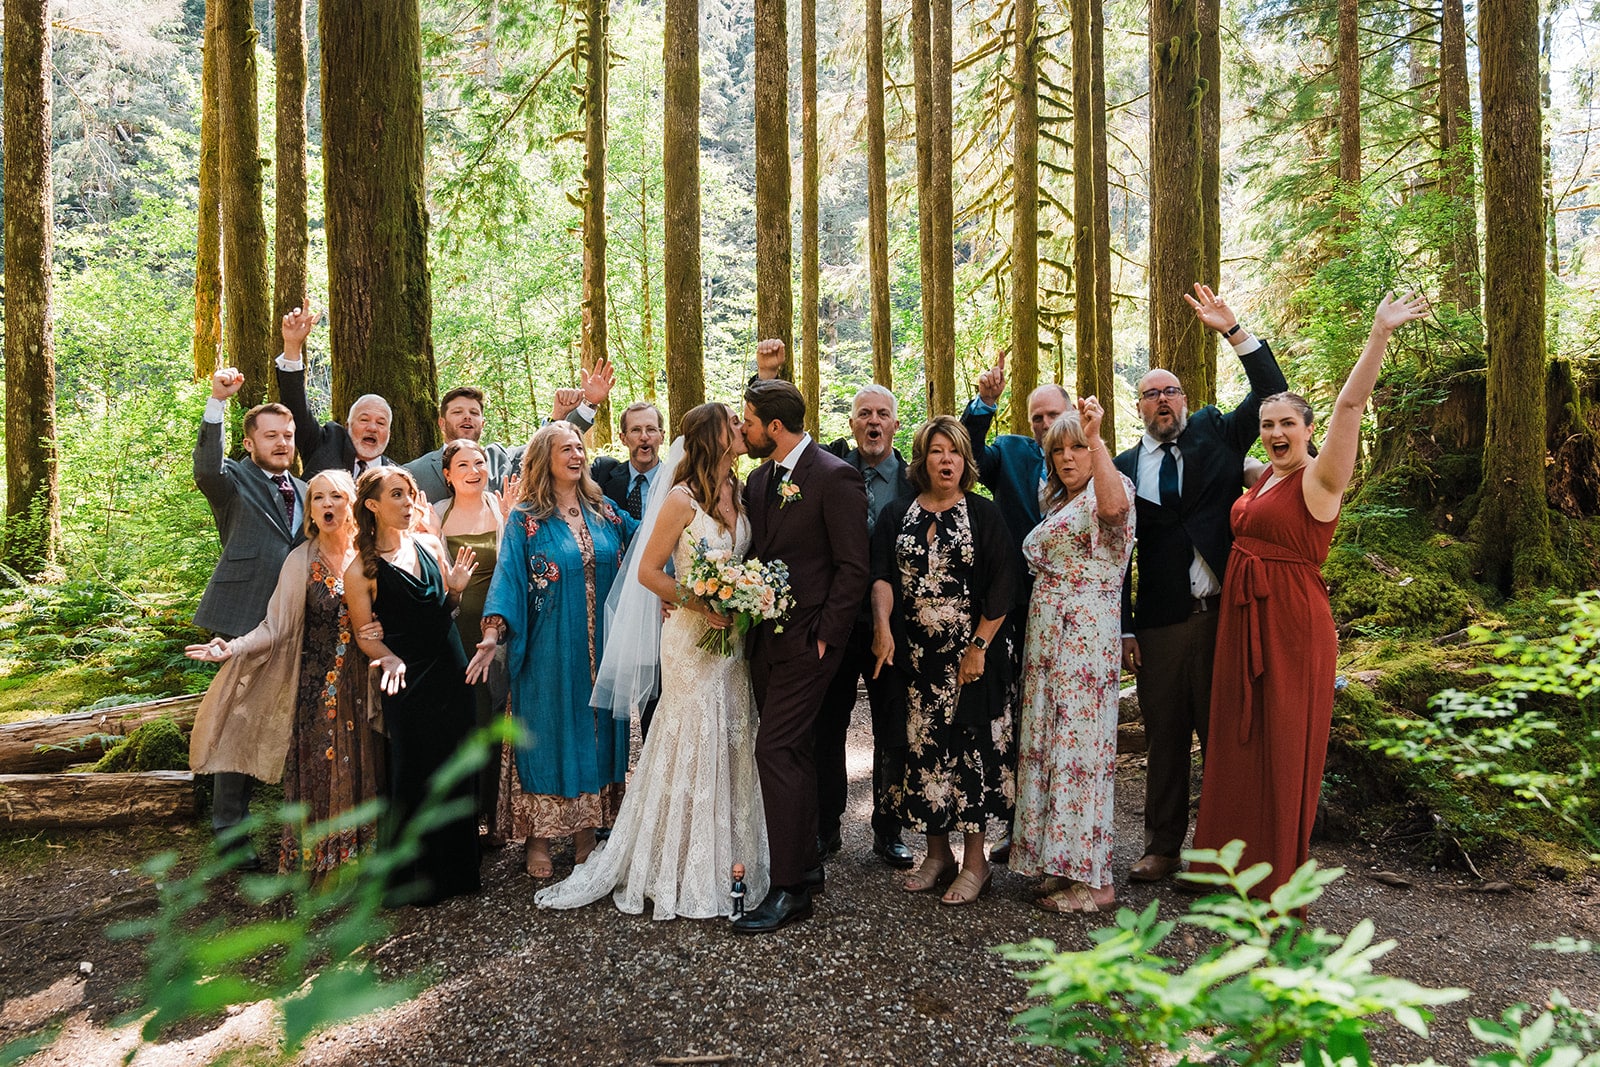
[{"x": 747, "y": 591}]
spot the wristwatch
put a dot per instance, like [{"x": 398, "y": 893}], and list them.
[{"x": 980, "y": 642}]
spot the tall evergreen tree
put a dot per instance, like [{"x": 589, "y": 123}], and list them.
[
  {"x": 1349, "y": 111},
  {"x": 291, "y": 239},
  {"x": 208, "y": 216},
  {"x": 247, "y": 314},
  {"x": 1177, "y": 340},
  {"x": 1091, "y": 222},
  {"x": 1457, "y": 165},
  {"x": 1025, "y": 218},
  {"x": 932, "y": 48},
  {"x": 680, "y": 254},
  {"x": 596, "y": 49},
  {"x": 878, "y": 201},
  {"x": 774, "y": 254},
  {"x": 810, "y": 250}
]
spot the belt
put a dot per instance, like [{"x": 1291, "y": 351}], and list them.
[
  {"x": 1253, "y": 585},
  {"x": 1203, "y": 604}
]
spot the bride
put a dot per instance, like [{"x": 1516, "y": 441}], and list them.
[{"x": 693, "y": 806}]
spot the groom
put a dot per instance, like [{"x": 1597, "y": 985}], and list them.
[{"x": 805, "y": 508}]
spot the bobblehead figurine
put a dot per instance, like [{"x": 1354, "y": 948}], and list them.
[{"x": 738, "y": 890}]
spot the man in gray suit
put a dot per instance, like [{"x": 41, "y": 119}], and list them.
[{"x": 259, "y": 510}]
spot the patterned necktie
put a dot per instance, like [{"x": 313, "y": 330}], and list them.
[
  {"x": 871, "y": 478},
  {"x": 361, "y": 468},
  {"x": 1169, "y": 476},
  {"x": 286, "y": 490},
  {"x": 635, "y": 502}
]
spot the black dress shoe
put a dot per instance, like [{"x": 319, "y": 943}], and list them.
[
  {"x": 782, "y": 907},
  {"x": 828, "y": 844},
  {"x": 815, "y": 880},
  {"x": 892, "y": 851}
]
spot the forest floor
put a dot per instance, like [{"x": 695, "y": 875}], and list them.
[{"x": 878, "y": 976}]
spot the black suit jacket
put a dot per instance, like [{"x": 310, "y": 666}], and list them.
[
  {"x": 615, "y": 477},
  {"x": 323, "y": 445},
  {"x": 1213, "y": 445},
  {"x": 843, "y": 447}
]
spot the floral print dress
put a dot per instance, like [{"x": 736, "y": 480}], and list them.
[
  {"x": 1067, "y": 738},
  {"x": 956, "y": 774}
]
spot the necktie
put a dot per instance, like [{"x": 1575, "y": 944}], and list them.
[
  {"x": 1169, "y": 476},
  {"x": 361, "y": 468},
  {"x": 635, "y": 503},
  {"x": 286, "y": 490},
  {"x": 872, "y": 499},
  {"x": 772, "y": 483}
]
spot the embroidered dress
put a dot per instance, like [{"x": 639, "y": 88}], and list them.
[
  {"x": 1067, "y": 736},
  {"x": 335, "y": 760}
]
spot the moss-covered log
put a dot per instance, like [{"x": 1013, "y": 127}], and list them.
[
  {"x": 38, "y": 746},
  {"x": 61, "y": 801}
]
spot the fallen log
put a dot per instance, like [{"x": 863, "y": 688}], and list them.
[
  {"x": 1130, "y": 738},
  {"x": 40, "y": 746},
  {"x": 59, "y": 801}
]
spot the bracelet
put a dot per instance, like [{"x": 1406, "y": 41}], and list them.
[{"x": 1235, "y": 329}]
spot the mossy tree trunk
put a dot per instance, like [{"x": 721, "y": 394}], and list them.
[
  {"x": 1457, "y": 164},
  {"x": 1177, "y": 340},
  {"x": 932, "y": 60},
  {"x": 1349, "y": 113},
  {"x": 878, "y": 202},
  {"x": 810, "y": 252},
  {"x": 774, "y": 251},
  {"x": 1102, "y": 221},
  {"x": 208, "y": 216},
  {"x": 379, "y": 300},
  {"x": 1512, "y": 525},
  {"x": 247, "y": 313},
  {"x": 33, "y": 499},
  {"x": 1210, "y": 173},
  {"x": 680, "y": 254},
  {"x": 291, "y": 237},
  {"x": 1025, "y": 218},
  {"x": 596, "y": 50},
  {"x": 1091, "y": 217}
]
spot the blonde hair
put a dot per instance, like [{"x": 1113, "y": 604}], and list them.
[
  {"x": 340, "y": 480},
  {"x": 537, "y": 493},
  {"x": 1065, "y": 432}
]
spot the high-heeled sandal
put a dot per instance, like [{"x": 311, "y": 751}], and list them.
[{"x": 927, "y": 876}]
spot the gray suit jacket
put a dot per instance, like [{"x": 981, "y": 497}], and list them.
[
  {"x": 428, "y": 468},
  {"x": 255, "y": 534}
]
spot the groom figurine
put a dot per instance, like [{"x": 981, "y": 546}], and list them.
[{"x": 805, "y": 508}]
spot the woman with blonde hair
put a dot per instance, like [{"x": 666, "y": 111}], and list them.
[
  {"x": 294, "y": 690},
  {"x": 561, "y": 550}
]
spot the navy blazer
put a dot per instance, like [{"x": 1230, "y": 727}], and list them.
[
  {"x": 615, "y": 477},
  {"x": 1213, "y": 444},
  {"x": 255, "y": 534}
]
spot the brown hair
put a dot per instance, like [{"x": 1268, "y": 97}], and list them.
[
  {"x": 538, "y": 491},
  {"x": 635, "y": 408},
  {"x": 259, "y": 410},
  {"x": 368, "y": 488},
  {"x": 949, "y": 427},
  {"x": 707, "y": 436},
  {"x": 471, "y": 392},
  {"x": 777, "y": 400},
  {"x": 1301, "y": 405},
  {"x": 1063, "y": 433},
  {"x": 451, "y": 451},
  {"x": 341, "y": 481}
]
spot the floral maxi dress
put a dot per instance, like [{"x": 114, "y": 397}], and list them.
[{"x": 1067, "y": 737}]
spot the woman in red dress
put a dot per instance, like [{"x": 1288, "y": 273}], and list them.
[{"x": 1272, "y": 687}]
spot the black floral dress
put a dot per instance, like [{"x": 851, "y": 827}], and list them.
[{"x": 959, "y": 760}]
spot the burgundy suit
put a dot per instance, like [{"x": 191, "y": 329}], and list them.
[{"x": 821, "y": 537}]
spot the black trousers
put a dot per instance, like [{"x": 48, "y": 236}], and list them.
[{"x": 888, "y": 739}]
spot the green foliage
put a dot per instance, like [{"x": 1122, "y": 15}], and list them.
[
  {"x": 1270, "y": 987},
  {"x": 158, "y": 745},
  {"x": 1390, "y": 570},
  {"x": 1559, "y": 1036}
]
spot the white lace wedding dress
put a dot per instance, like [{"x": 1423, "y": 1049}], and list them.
[{"x": 693, "y": 804}]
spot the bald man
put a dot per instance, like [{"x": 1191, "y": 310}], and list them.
[{"x": 1187, "y": 470}]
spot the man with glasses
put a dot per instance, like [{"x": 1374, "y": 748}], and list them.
[{"x": 1187, "y": 470}]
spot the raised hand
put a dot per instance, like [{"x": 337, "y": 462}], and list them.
[
  {"x": 1089, "y": 414},
  {"x": 393, "y": 678},
  {"x": 1211, "y": 309},
  {"x": 1394, "y": 313},
  {"x": 509, "y": 488},
  {"x": 459, "y": 573},
  {"x": 992, "y": 382},
  {"x": 565, "y": 403},
  {"x": 595, "y": 385},
  {"x": 297, "y": 326},
  {"x": 215, "y": 650},
  {"x": 770, "y": 358},
  {"x": 226, "y": 382}
]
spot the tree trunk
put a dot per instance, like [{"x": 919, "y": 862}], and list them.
[
  {"x": 1349, "y": 113},
  {"x": 1177, "y": 340},
  {"x": 647, "y": 353},
  {"x": 33, "y": 498},
  {"x": 208, "y": 222},
  {"x": 247, "y": 315},
  {"x": 55, "y": 742},
  {"x": 1104, "y": 357},
  {"x": 1457, "y": 167},
  {"x": 291, "y": 239},
  {"x": 1547, "y": 54},
  {"x": 597, "y": 58},
  {"x": 878, "y": 202},
  {"x": 680, "y": 259},
  {"x": 1210, "y": 173},
  {"x": 1513, "y": 523},
  {"x": 810, "y": 253},
  {"x": 1025, "y": 220},
  {"x": 56, "y": 801},
  {"x": 922, "y": 83},
  {"x": 379, "y": 299},
  {"x": 774, "y": 269},
  {"x": 932, "y": 46}
]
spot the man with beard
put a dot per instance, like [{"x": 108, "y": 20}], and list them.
[
  {"x": 354, "y": 447},
  {"x": 1187, "y": 470},
  {"x": 259, "y": 509}
]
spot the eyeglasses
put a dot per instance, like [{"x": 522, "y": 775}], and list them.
[{"x": 1169, "y": 392}]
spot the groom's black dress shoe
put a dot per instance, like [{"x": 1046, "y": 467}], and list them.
[
  {"x": 815, "y": 880},
  {"x": 782, "y": 907},
  {"x": 892, "y": 851},
  {"x": 828, "y": 844}
]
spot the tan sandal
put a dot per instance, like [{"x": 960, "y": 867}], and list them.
[
  {"x": 537, "y": 862},
  {"x": 967, "y": 888},
  {"x": 1076, "y": 897},
  {"x": 923, "y": 878},
  {"x": 1052, "y": 883}
]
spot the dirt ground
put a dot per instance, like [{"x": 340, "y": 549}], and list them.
[{"x": 879, "y": 976}]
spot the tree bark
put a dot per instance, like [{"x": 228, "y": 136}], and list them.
[
  {"x": 1513, "y": 522},
  {"x": 208, "y": 221},
  {"x": 1210, "y": 172},
  {"x": 54, "y": 801},
  {"x": 379, "y": 300},
  {"x": 291, "y": 238},
  {"x": 1177, "y": 340},
  {"x": 1104, "y": 357},
  {"x": 810, "y": 252},
  {"x": 680, "y": 260},
  {"x": 1025, "y": 218},
  {"x": 935, "y": 201},
  {"x": 247, "y": 316},
  {"x": 1547, "y": 55},
  {"x": 55, "y": 742},
  {"x": 774, "y": 258},
  {"x": 1457, "y": 166},
  {"x": 33, "y": 498},
  {"x": 878, "y": 202},
  {"x": 1349, "y": 113},
  {"x": 597, "y": 59}
]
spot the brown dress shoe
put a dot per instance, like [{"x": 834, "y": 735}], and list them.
[{"x": 1153, "y": 868}]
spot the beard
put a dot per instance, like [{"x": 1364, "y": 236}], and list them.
[
  {"x": 760, "y": 449},
  {"x": 1180, "y": 421}
]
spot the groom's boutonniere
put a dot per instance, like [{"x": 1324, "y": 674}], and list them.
[{"x": 788, "y": 493}]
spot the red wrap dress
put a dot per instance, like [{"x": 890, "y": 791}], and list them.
[{"x": 1272, "y": 687}]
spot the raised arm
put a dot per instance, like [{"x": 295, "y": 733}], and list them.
[
  {"x": 1328, "y": 473},
  {"x": 1255, "y": 356},
  {"x": 291, "y": 374},
  {"x": 979, "y": 413},
  {"x": 1111, "y": 501},
  {"x": 208, "y": 455}
]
